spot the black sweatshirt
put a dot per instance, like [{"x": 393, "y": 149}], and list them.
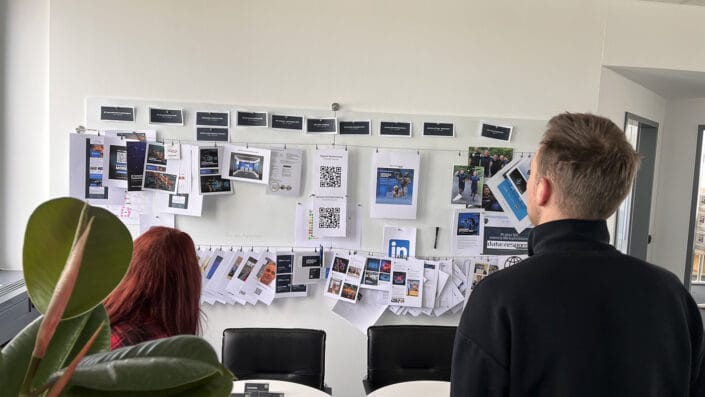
[{"x": 579, "y": 318}]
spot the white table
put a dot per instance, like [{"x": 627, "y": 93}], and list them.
[
  {"x": 289, "y": 389},
  {"x": 418, "y": 388}
]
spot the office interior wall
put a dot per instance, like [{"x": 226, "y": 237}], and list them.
[
  {"x": 655, "y": 35},
  {"x": 672, "y": 221},
  {"x": 24, "y": 112},
  {"x": 483, "y": 58},
  {"x": 619, "y": 95}
]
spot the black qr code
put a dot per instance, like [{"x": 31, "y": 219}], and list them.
[
  {"x": 328, "y": 218},
  {"x": 330, "y": 176}
]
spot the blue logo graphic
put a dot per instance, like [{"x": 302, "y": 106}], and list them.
[{"x": 398, "y": 248}]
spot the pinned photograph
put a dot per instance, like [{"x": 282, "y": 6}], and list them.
[
  {"x": 267, "y": 273},
  {"x": 467, "y": 185},
  {"x": 412, "y": 288},
  {"x": 334, "y": 286},
  {"x": 159, "y": 181},
  {"x": 210, "y": 181},
  {"x": 395, "y": 186},
  {"x": 349, "y": 292},
  {"x": 340, "y": 265},
  {"x": 491, "y": 159},
  {"x": 246, "y": 164}
]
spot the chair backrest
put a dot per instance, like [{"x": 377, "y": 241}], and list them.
[
  {"x": 292, "y": 355},
  {"x": 400, "y": 353}
]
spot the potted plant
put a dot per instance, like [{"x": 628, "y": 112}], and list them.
[{"x": 74, "y": 255}]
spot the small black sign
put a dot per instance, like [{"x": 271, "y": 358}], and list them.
[
  {"x": 354, "y": 128},
  {"x": 321, "y": 126},
  {"x": 166, "y": 116},
  {"x": 213, "y": 119},
  {"x": 394, "y": 128},
  {"x": 503, "y": 133},
  {"x": 212, "y": 134},
  {"x": 438, "y": 129},
  {"x": 251, "y": 119},
  {"x": 285, "y": 122},
  {"x": 117, "y": 113}
]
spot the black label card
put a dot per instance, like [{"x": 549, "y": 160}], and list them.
[
  {"x": 287, "y": 122},
  {"x": 438, "y": 129},
  {"x": 252, "y": 119},
  {"x": 394, "y": 129},
  {"x": 321, "y": 126},
  {"x": 214, "y": 119},
  {"x": 117, "y": 113},
  {"x": 212, "y": 134},
  {"x": 166, "y": 116},
  {"x": 503, "y": 133},
  {"x": 354, "y": 128}
]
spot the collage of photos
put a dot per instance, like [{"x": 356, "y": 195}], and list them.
[
  {"x": 467, "y": 185},
  {"x": 210, "y": 181},
  {"x": 156, "y": 176},
  {"x": 344, "y": 278},
  {"x": 377, "y": 273}
]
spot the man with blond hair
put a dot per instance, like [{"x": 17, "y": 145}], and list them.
[{"x": 579, "y": 318}]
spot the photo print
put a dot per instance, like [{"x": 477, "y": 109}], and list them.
[
  {"x": 509, "y": 186},
  {"x": 135, "y": 164},
  {"x": 467, "y": 185},
  {"x": 377, "y": 273},
  {"x": 209, "y": 180},
  {"x": 491, "y": 159},
  {"x": 482, "y": 268},
  {"x": 344, "y": 277},
  {"x": 285, "y": 286},
  {"x": 489, "y": 202},
  {"x": 406, "y": 288},
  {"x": 308, "y": 266},
  {"x": 395, "y": 185},
  {"x": 467, "y": 232},
  {"x": 159, "y": 174},
  {"x": 246, "y": 164},
  {"x": 115, "y": 166}
]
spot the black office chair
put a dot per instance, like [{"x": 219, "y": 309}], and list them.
[
  {"x": 401, "y": 353},
  {"x": 292, "y": 355}
]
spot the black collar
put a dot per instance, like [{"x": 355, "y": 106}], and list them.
[{"x": 569, "y": 235}]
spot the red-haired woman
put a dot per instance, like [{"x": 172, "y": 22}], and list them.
[{"x": 159, "y": 296}]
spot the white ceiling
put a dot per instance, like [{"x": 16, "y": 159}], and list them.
[
  {"x": 685, "y": 2},
  {"x": 670, "y": 84}
]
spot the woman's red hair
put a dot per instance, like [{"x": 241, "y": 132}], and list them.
[{"x": 162, "y": 284}]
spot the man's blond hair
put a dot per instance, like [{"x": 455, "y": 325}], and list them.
[{"x": 589, "y": 161}]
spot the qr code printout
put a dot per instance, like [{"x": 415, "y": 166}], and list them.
[
  {"x": 330, "y": 176},
  {"x": 329, "y": 218}
]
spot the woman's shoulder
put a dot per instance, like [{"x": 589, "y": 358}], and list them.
[{"x": 128, "y": 333}]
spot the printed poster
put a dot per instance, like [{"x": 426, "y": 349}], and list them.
[
  {"x": 509, "y": 186},
  {"x": 395, "y": 185},
  {"x": 344, "y": 278},
  {"x": 329, "y": 216},
  {"x": 210, "y": 182},
  {"x": 159, "y": 174},
  {"x": 285, "y": 172},
  {"x": 466, "y": 236}
]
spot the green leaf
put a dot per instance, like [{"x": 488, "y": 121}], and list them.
[
  {"x": 172, "y": 364},
  {"x": 69, "y": 339},
  {"x": 68, "y": 334},
  {"x": 48, "y": 239},
  {"x": 214, "y": 386}
]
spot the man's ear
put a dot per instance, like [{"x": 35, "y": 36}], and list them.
[{"x": 544, "y": 191}]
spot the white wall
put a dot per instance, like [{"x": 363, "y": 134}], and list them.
[
  {"x": 483, "y": 58},
  {"x": 676, "y": 184},
  {"x": 655, "y": 35},
  {"x": 502, "y": 58},
  {"x": 619, "y": 95},
  {"x": 24, "y": 110}
]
